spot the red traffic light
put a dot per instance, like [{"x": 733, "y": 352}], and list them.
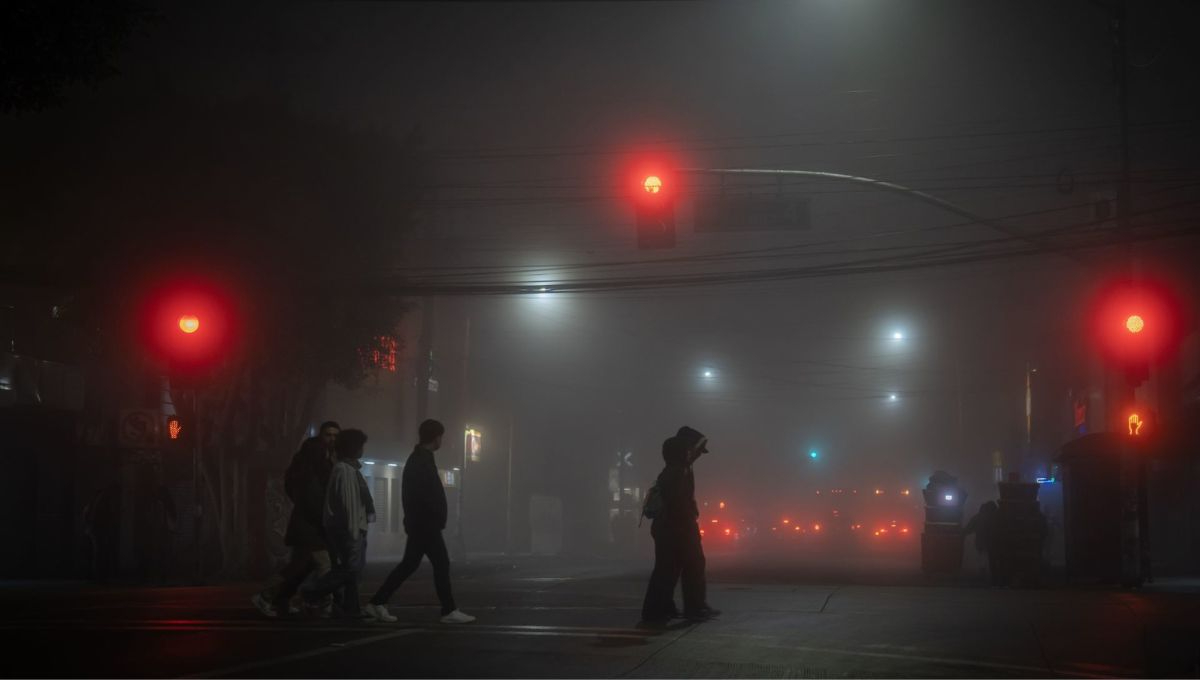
[
  {"x": 653, "y": 184},
  {"x": 1135, "y": 323},
  {"x": 189, "y": 323}
]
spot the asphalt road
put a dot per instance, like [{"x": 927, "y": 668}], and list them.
[{"x": 561, "y": 618}]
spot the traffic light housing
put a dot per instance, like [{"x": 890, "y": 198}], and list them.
[
  {"x": 1135, "y": 324},
  {"x": 187, "y": 327},
  {"x": 654, "y": 208}
]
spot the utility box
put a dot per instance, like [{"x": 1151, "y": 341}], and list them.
[
  {"x": 1019, "y": 536},
  {"x": 942, "y": 539},
  {"x": 941, "y": 550},
  {"x": 1092, "y": 508}
]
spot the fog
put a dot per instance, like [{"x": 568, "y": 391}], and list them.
[{"x": 888, "y": 335}]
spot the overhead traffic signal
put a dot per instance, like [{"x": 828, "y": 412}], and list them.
[{"x": 654, "y": 207}]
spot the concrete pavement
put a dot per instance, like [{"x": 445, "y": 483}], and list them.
[{"x": 563, "y": 618}]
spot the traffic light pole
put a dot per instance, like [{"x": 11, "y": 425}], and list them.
[{"x": 197, "y": 487}]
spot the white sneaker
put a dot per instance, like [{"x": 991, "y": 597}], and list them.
[
  {"x": 260, "y": 603},
  {"x": 457, "y": 616},
  {"x": 379, "y": 612}
]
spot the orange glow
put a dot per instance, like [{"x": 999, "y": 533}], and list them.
[
  {"x": 876, "y": 532},
  {"x": 653, "y": 184},
  {"x": 189, "y": 323},
  {"x": 714, "y": 521},
  {"x": 904, "y": 530},
  {"x": 721, "y": 505},
  {"x": 797, "y": 528},
  {"x": 1135, "y": 424},
  {"x": 787, "y": 521},
  {"x": 702, "y": 532},
  {"x": 727, "y": 532},
  {"x": 878, "y": 492},
  {"x": 816, "y": 527},
  {"x": 1135, "y": 323},
  {"x": 174, "y": 427},
  {"x": 904, "y": 493}
]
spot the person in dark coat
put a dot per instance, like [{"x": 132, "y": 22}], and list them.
[
  {"x": 425, "y": 513},
  {"x": 983, "y": 525},
  {"x": 304, "y": 483},
  {"x": 678, "y": 553}
]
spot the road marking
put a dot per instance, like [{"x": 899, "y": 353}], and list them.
[
  {"x": 1036, "y": 670},
  {"x": 241, "y": 669}
]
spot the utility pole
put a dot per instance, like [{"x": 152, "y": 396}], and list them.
[
  {"x": 1135, "y": 520},
  {"x": 425, "y": 358},
  {"x": 197, "y": 485},
  {"x": 508, "y": 492},
  {"x": 466, "y": 402}
]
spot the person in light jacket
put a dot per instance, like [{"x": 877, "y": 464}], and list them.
[{"x": 347, "y": 512}]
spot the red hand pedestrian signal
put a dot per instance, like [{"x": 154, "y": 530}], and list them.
[
  {"x": 1135, "y": 424},
  {"x": 174, "y": 428}
]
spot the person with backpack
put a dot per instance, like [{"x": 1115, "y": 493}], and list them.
[
  {"x": 304, "y": 483},
  {"x": 678, "y": 553}
]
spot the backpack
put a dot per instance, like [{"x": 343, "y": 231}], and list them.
[{"x": 652, "y": 505}]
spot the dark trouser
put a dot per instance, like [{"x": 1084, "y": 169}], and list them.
[
  {"x": 678, "y": 555},
  {"x": 349, "y": 554},
  {"x": 420, "y": 544},
  {"x": 304, "y": 560}
]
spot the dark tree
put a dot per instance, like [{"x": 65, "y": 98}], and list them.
[
  {"x": 288, "y": 213},
  {"x": 47, "y": 45}
]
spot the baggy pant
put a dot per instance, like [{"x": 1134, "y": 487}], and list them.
[
  {"x": 421, "y": 543},
  {"x": 280, "y": 588},
  {"x": 678, "y": 556},
  {"x": 349, "y": 555}
]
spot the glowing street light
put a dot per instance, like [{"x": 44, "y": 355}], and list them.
[
  {"x": 897, "y": 335},
  {"x": 893, "y": 397}
]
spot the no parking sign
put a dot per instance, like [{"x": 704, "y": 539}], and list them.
[{"x": 138, "y": 429}]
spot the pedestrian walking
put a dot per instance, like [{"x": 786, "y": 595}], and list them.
[
  {"x": 348, "y": 510},
  {"x": 425, "y": 513},
  {"x": 678, "y": 553},
  {"x": 304, "y": 482}
]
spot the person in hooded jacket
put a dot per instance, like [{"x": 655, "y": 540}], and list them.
[
  {"x": 304, "y": 483},
  {"x": 678, "y": 553}
]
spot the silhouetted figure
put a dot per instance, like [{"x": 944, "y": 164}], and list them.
[
  {"x": 678, "y": 552},
  {"x": 425, "y": 513},
  {"x": 102, "y": 524},
  {"x": 348, "y": 510},
  {"x": 984, "y": 526},
  {"x": 304, "y": 482}
]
